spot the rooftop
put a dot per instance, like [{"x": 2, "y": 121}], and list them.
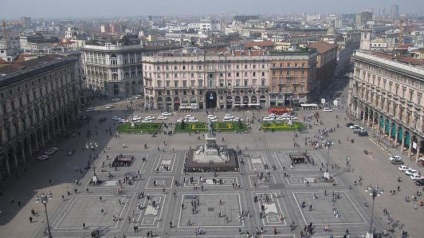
[
  {"x": 322, "y": 46},
  {"x": 14, "y": 67}
]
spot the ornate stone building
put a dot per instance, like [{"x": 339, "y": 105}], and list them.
[
  {"x": 39, "y": 99},
  {"x": 194, "y": 79},
  {"x": 386, "y": 93}
]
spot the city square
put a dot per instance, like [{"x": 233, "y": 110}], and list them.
[{"x": 270, "y": 196}]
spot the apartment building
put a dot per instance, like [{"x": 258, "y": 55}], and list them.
[
  {"x": 39, "y": 99},
  {"x": 326, "y": 63},
  {"x": 386, "y": 92},
  {"x": 113, "y": 70},
  {"x": 199, "y": 80}
]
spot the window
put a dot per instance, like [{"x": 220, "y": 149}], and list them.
[
  {"x": 175, "y": 67},
  {"x": 263, "y": 74},
  {"x": 245, "y": 74},
  {"x": 229, "y": 74},
  {"x": 237, "y": 74},
  {"x": 184, "y": 67},
  {"x": 246, "y": 82},
  {"x": 254, "y": 66},
  {"x": 263, "y": 66},
  {"x": 254, "y": 74}
]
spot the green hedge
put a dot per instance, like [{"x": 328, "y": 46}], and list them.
[
  {"x": 140, "y": 128},
  {"x": 282, "y": 126},
  {"x": 218, "y": 127}
]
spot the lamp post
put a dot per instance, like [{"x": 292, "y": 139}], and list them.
[
  {"x": 327, "y": 173},
  {"x": 374, "y": 192},
  {"x": 44, "y": 198}
]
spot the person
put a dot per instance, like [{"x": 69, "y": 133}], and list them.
[{"x": 30, "y": 219}]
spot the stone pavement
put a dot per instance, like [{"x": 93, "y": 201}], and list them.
[{"x": 272, "y": 203}]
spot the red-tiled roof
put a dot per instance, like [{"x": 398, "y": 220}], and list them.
[
  {"x": 322, "y": 46},
  {"x": 251, "y": 44},
  {"x": 16, "y": 66},
  {"x": 402, "y": 59}
]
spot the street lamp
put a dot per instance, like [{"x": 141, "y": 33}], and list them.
[
  {"x": 44, "y": 198},
  {"x": 374, "y": 192}
]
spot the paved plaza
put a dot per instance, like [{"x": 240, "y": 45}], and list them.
[{"x": 264, "y": 198}]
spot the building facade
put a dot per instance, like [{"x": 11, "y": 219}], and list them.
[
  {"x": 386, "y": 93},
  {"x": 113, "y": 70},
  {"x": 39, "y": 100},
  {"x": 200, "y": 80},
  {"x": 326, "y": 63}
]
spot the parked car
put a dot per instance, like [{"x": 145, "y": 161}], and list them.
[
  {"x": 327, "y": 109},
  {"x": 43, "y": 157},
  {"x": 167, "y": 114},
  {"x": 110, "y": 106},
  {"x": 116, "y": 99},
  {"x": 396, "y": 162},
  {"x": 227, "y": 119},
  {"x": 354, "y": 127},
  {"x": 51, "y": 151},
  {"x": 193, "y": 120},
  {"x": 138, "y": 97},
  {"x": 403, "y": 168},
  {"x": 136, "y": 118},
  {"x": 116, "y": 118},
  {"x": 90, "y": 109},
  {"x": 419, "y": 182},
  {"x": 349, "y": 124},
  {"x": 410, "y": 172},
  {"x": 162, "y": 118},
  {"x": 267, "y": 119},
  {"x": 363, "y": 133},
  {"x": 146, "y": 121},
  {"x": 213, "y": 120},
  {"x": 416, "y": 177},
  {"x": 149, "y": 118},
  {"x": 396, "y": 157}
]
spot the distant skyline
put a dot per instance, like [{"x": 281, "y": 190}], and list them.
[{"x": 14, "y": 9}]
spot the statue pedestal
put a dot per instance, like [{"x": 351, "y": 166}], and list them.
[{"x": 132, "y": 125}]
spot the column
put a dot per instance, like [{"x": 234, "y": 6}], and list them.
[
  {"x": 396, "y": 136},
  {"x": 363, "y": 117},
  {"x": 36, "y": 141},
  {"x": 23, "y": 152},
  {"x": 390, "y": 132},
  {"x": 417, "y": 156},
  {"x": 29, "y": 146},
  {"x": 42, "y": 138},
  {"x": 369, "y": 116},
  {"x": 16, "y": 159},
  {"x": 372, "y": 122},
  {"x": 63, "y": 122},
  {"x": 7, "y": 165},
  {"x": 403, "y": 142},
  {"x": 410, "y": 147}
]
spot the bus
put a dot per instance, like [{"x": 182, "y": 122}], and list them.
[{"x": 279, "y": 110}]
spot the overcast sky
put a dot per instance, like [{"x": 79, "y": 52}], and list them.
[{"x": 14, "y": 9}]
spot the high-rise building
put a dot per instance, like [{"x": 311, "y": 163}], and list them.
[
  {"x": 26, "y": 22},
  {"x": 394, "y": 11},
  {"x": 362, "y": 19}
]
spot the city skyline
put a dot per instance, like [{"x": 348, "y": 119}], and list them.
[{"x": 108, "y": 8}]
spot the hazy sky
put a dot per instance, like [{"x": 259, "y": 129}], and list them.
[{"x": 13, "y": 9}]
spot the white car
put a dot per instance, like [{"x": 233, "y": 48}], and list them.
[
  {"x": 267, "y": 119},
  {"x": 281, "y": 118},
  {"x": 228, "y": 116},
  {"x": 51, "y": 151},
  {"x": 180, "y": 120},
  {"x": 116, "y": 99},
  {"x": 138, "y": 97},
  {"x": 43, "y": 157},
  {"x": 212, "y": 116},
  {"x": 213, "y": 120},
  {"x": 146, "y": 121},
  {"x": 136, "y": 118},
  {"x": 237, "y": 119},
  {"x": 272, "y": 115},
  {"x": 327, "y": 109},
  {"x": 396, "y": 157},
  {"x": 411, "y": 172},
  {"x": 189, "y": 116},
  {"x": 293, "y": 118},
  {"x": 116, "y": 118},
  {"x": 110, "y": 106},
  {"x": 162, "y": 118},
  {"x": 227, "y": 119},
  {"x": 193, "y": 120},
  {"x": 167, "y": 114},
  {"x": 403, "y": 168},
  {"x": 149, "y": 118},
  {"x": 122, "y": 120},
  {"x": 416, "y": 176},
  {"x": 90, "y": 109},
  {"x": 354, "y": 127}
]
